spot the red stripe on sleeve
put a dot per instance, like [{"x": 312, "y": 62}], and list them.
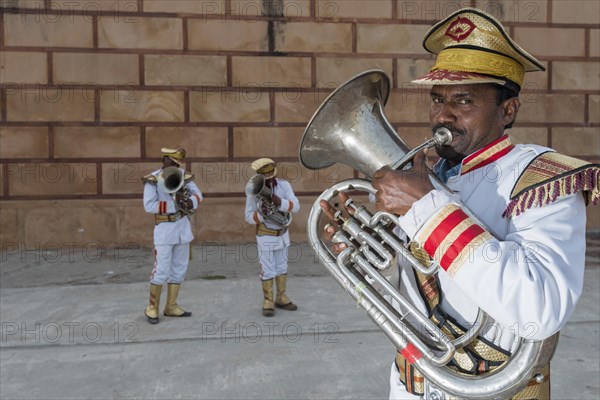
[
  {"x": 198, "y": 198},
  {"x": 459, "y": 244},
  {"x": 411, "y": 353},
  {"x": 442, "y": 230}
]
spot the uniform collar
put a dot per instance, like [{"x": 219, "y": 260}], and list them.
[{"x": 487, "y": 155}]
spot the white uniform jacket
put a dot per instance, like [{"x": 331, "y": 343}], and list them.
[
  {"x": 525, "y": 271},
  {"x": 289, "y": 203},
  {"x": 156, "y": 201}
]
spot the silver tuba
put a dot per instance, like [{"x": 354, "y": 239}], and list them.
[
  {"x": 172, "y": 180},
  {"x": 351, "y": 128},
  {"x": 257, "y": 187}
]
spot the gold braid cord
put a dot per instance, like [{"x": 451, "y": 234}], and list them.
[
  {"x": 551, "y": 176},
  {"x": 476, "y": 358}
]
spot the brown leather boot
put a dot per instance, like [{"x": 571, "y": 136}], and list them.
[
  {"x": 268, "y": 307},
  {"x": 282, "y": 301},
  {"x": 171, "y": 308},
  {"x": 152, "y": 308}
]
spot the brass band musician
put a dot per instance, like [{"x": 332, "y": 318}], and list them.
[{"x": 271, "y": 216}]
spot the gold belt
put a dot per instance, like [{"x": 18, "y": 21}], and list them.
[
  {"x": 159, "y": 218},
  {"x": 262, "y": 230}
]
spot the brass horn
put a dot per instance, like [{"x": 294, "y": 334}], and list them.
[
  {"x": 172, "y": 180},
  {"x": 256, "y": 187},
  {"x": 350, "y": 128}
]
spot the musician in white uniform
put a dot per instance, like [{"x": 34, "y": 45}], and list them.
[
  {"x": 272, "y": 236},
  {"x": 172, "y": 234},
  {"x": 524, "y": 263}
]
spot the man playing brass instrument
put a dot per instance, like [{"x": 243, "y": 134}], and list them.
[
  {"x": 272, "y": 234},
  {"x": 172, "y": 230},
  {"x": 525, "y": 267}
]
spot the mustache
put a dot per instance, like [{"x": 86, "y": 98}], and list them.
[{"x": 455, "y": 131}]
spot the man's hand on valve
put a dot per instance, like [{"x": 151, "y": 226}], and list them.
[
  {"x": 330, "y": 228},
  {"x": 276, "y": 200},
  {"x": 184, "y": 203},
  {"x": 398, "y": 190}
]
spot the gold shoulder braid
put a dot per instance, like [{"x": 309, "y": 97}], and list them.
[
  {"x": 478, "y": 357},
  {"x": 551, "y": 176},
  {"x": 188, "y": 177}
]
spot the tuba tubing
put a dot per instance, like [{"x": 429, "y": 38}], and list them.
[{"x": 350, "y": 128}]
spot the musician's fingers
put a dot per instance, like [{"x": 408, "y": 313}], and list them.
[
  {"x": 328, "y": 209},
  {"x": 339, "y": 247},
  {"x": 329, "y": 231}
]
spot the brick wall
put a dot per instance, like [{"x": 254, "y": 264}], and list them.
[{"x": 91, "y": 90}]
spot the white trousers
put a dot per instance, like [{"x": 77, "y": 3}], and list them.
[
  {"x": 170, "y": 263},
  {"x": 397, "y": 389},
  {"x": 272, "y": 262}
]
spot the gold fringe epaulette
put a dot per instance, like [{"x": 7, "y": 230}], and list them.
[
  {"x": 551, "y": 176},
  {"x": 188, "y": 177},
  {"x": 150, "y": 179}
]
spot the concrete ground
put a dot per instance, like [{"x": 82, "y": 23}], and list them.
[{"x": 72, "y": 328}]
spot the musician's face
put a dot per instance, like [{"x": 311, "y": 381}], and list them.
[
  {"x": 167, "y": 162},
  {"x": 473, "y": 115}
]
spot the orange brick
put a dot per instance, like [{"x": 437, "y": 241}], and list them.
[
  {"x": 28, "y": 4},
  {"x": 550, "y": 108},
  {"x": 96, "y": 142},
  {"x": 51, "y": 179},
  {"x": 229, "y": 106},
  {"x": 528, "y": 135},
  {"x": 594, "y": 42},
  {"x": 410, "y": 69},
  {"x": 143, "y": 33},
  {"x": 125, "y": 178},
  {"x": 381, "y": 9},
  {"x": 254, "y": 9},
  {"x": 227, "y": 35},
  {"x": 209, "y": 226},
  {"x": 47, "y": 30},
  {"x": 197, "y": 141},
  {"x": 542, "y": 42},
  {"x": 404, "y": 107},
  {"x": 276, "y": 72},
  {"x": 80, "y": 224},
  {"x": 509, "y": 11},
  {"x": 222, "y": 177},
  {"x": 570, "y": 75},
  {"x": 594, "y": 109},
  {"x": 537, "y": 80},
  {"x": 296, "y": 106},
  {"x": 95, "y": 68},
  {"x": 576, "y": 12},
  {"x": 576, "y": 141},
  {"x": 266, "y": 142},
  {"x": 50, "y": 103},
  {"x": 9, "y": 234},
  {"x": 23, "y": 142},
  {"x": 90, "y": 7},
  {"x": 182, "y": 6},
  {"x": 141, "y": 105},
  {"x": 23, "y": 67},
  {"x": 185, "y": 70},
  {"x": 391, "y": 38},
  {"x": 313, "y": 37},
  {"x": 331, "y": 72}
]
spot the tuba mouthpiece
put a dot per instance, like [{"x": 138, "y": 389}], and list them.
[{"x": 442, "y": 136}]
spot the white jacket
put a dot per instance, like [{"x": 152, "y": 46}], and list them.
[
  {"x": 525, "y": 271},
  {"x": 156, "y": 201}
]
